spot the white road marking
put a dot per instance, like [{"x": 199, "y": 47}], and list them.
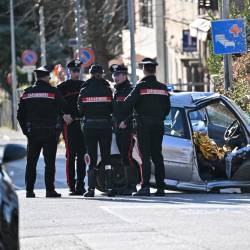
[
  {"x": 108, "y": 210},
  {"x": 181, "y": 208}
]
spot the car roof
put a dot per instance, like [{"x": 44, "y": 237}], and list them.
[{"x": 188, "y": 99}]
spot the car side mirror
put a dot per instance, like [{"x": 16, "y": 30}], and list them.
[{"x": 13, "y": 152}]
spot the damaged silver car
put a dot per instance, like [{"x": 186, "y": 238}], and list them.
[{"x": 223, "y": 161}]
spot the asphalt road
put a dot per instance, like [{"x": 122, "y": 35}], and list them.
[
  {"x": 179, "y": 221},
  {"x": 176, "y": 222}
]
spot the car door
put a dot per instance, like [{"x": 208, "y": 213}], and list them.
[
  {"x": 177, "y": 146},
  {"x": 219, "y": 116}
]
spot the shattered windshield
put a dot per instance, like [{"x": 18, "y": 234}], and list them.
[{"x": 245, "y": 116}]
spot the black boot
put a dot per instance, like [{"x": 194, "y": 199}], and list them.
[
  {"x": 111, "y": 193},
  {"x": 145, "y": 191},
  {"x": 72, "y": 190},
  {"x": 130, "y": 188},
  {"x": 90, "y": 193},
  {"x": 91, "y": 178},
  {"x": 30, "y": 194},
  {"x": 80, "y": 190},
  {"x": 109, "y": 181},
  {"x": 53, "y": 194}
]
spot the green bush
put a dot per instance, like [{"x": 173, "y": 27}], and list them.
[{"x": 240, "y": 89}]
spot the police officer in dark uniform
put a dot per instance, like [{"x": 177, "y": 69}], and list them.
[
  {"x": 95, "y": 104},
  {"x": 39, "y": 114},
  {"x": 122, "y": 122},
  {"x": 73, "y": 136},
  {"x": 151, "y": 102}
]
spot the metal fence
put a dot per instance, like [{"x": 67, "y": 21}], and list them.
[{"x": 198, "y": 86}]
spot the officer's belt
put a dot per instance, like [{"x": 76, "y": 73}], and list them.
[
  {"x": 43, "y": 127},
  {"x": 97, "y": 120}
]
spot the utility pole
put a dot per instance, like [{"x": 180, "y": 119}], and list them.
[
  {"x": 226, "y": 58},
  {"x": 161, "y": 37},
  {"x": 13, "y": 67},
  {"x": 42, "y": 36},
  {"x": 77, "y": 28},
  {"x": 131, "y": 21}
]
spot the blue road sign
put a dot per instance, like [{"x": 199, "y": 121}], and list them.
[
  {"x": 189, "y": 43},
  {"x": 29, "y": 57},
  {"x": 229, "y": 36},
  {"x": 87, "y": 57}
]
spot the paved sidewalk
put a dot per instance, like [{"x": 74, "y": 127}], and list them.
[{"x": 8, "y": 135}]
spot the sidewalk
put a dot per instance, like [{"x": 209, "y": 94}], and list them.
[{"x": 8, "y": 135}]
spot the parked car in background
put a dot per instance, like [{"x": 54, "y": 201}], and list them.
[
  {"x": 225, "y": 124},
  {"x": 9, "y": 211}
]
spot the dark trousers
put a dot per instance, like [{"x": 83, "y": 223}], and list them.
[
  {"x": 125, "y": 143},
  {"x": 75, "y": 151},
  {"x": 93, "y": 136},
  {"x": 36, "y": 143},
  {"x": 150, "y": 146}
]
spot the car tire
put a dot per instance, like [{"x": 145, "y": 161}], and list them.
[{"x": 118, "y": 174}]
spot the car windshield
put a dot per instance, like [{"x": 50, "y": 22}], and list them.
[
  {"x": 242, "y": 113},
  {"x": 219, "y": 114}
]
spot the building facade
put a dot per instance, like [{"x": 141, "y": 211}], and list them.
[{"x": 163, "y": 30}]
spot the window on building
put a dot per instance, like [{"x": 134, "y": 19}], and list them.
[
  {"x": 208, "y": 4},
  {"x": 146, "y": 13}
]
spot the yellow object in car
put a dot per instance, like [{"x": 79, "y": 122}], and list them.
[{"x": 208, "y": 147}]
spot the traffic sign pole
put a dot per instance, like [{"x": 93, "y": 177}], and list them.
[
  {"x": 226, "y": 58},
  {"x": 29, "y": 69},
  {"x": 13, "y": 66},
  {"x": 29, "y": 77},
  {"x": 42, "y": 36},
  {"x": 131, "y": 19},
  {"x": 77, "y": 28}
]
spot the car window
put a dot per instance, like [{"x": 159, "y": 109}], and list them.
[
  {"x": 198, "y": 120},
  {"x": 173, "y": 123},
  {"x": 220, "y": 115}
]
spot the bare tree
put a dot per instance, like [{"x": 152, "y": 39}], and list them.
[
  {"x": 101, "y": 26},
  {"x": 105, "y": 21}
]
